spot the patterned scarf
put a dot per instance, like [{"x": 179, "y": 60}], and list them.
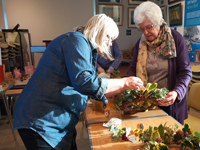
[{"x": 167, "y": 50}]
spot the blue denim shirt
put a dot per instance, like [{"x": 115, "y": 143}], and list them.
[
  {"x": 106, "y": 63},
  {"x": 56, "y": 94}
]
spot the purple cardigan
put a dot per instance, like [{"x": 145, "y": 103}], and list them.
[{"x": 180, "y": 74}]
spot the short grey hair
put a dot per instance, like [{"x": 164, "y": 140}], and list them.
[{"x": 148, "y": 10}]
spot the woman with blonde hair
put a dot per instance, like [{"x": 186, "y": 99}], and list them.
[
  {"x": 49, "y": 106},
  {"x": 161, "y": 57}
]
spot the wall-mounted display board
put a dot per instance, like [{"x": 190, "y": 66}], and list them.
[{"x": 192, "y": 13}]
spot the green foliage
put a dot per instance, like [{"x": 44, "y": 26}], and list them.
[
  {"x": 117, "y": 133},
  {"x": 115, "y": 73},
  {"x": 130, "y": 96},
  {"x": 168, "y": 135},
  {"x": 157, "y": 138}
]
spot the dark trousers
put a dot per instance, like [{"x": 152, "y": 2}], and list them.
[{"x": 33, "y": 141}]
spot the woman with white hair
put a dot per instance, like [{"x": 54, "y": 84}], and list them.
[
  {"x": 161, "y": 57},
  {"x": 49, "y": 106}
]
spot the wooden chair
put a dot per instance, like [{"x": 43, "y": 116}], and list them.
[{"x": 194, "y": 102}]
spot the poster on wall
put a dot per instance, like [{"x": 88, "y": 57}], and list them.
[
  {"x": 192, "y": 28},
  {"x": 192, "y": 13}
]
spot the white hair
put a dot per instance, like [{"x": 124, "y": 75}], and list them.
[
  {"x": 96, "y": 30},
  {"x": 148, "y": 10}
]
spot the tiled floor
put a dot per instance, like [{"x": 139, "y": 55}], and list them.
[{"x": 7, "y": 141}]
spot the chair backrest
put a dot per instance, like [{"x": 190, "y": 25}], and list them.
[{"x": 194, "y": 96}]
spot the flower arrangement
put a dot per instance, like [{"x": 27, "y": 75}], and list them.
[
  {"x": 132, "y": 101},
  {"x": 159, "y": 138}
]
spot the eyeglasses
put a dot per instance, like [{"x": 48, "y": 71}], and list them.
[
  {"x": 109, "y": 39},
  {"x": 147, "y": 28}
]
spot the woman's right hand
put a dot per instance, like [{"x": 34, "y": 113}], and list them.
[{"x": 133, "y": 83}]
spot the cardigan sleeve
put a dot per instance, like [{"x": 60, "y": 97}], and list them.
[
  {"x": 183, "y": 68},
  {"x": 132, "y": 68},
  {"x": 117, "y": 55}
]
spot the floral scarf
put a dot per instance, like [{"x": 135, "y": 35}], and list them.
[{"x": 167, "y": 50}]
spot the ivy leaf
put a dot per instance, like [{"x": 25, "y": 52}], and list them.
[{"x": 186, "y": 128}]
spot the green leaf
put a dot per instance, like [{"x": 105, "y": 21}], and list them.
[
  {"x": 124, "y": 129},
  {"x": 150, "y": 129},
  {"x": 154, "y": 135},
  {"x": 154, "y": 107},
  {"x": 153, "y": 86},
  {"x": 186, "y": 128},
  {"x": 147, "y": 87},
  {"x": 4, "y": 82},
  {"x": 162, "y": 146},
  {"x": 197, "y": 134},
  {"x": 176, "y": 127},
  {"x": 161, "y": 130}
]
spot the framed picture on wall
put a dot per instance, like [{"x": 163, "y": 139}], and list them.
[
  {"x": 175, "y": 15},
  {"x": 131, "y": 23},
  {"x": 113, "y": 11},
  {"x": 109, "y": 1},
  {"x": 172, "y": 1},
  {"x": 164, "y": 12},
  {"x": 135, "y": 2}
]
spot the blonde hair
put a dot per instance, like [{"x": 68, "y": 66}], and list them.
[
  {"x": 148, "y": 10},
  {"x": 96, "y": 30}
]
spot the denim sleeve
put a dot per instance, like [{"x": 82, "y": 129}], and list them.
[{"x": 78, "y": 60}]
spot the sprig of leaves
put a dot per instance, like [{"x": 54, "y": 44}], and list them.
[{"x": 119, "y": 134}]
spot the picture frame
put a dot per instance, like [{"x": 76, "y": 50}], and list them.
[
  {"x": 109, "y": 1},
  {"x": 131, "y": 23},
  {"x": 164, "y": 12},
  {"x": 172, "y": 1},
  {"x": 113, "y": 11},
  {"x": 135, "y": 2},
  {"x": 175, "y": 15}
]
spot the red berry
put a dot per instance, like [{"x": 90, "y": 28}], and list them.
[
  {"x": 148, "y": 133},
  {"x": 186, "y": 132},
  {"x": 124, "y": 137}
]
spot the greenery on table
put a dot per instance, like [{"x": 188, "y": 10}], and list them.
[
  {"x": 159, "y": 138},
  {"x": 165, "y": 135},
  {"x": 131, "y": 101}
]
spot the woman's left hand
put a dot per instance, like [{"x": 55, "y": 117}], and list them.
[
  {"x": 169, "y": 99},
  {"x": 109, "y": 71}
]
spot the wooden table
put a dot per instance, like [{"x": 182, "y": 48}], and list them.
[
  {"x": 93, "y": 116},
  {"x": 100, "y": 137}
]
